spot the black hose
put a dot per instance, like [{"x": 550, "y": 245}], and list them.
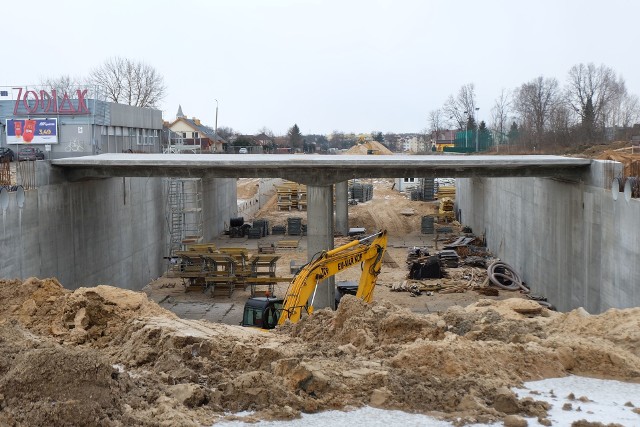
[
  {"x": 547, "y": 305},
  {"x": 505, "y": 277}
]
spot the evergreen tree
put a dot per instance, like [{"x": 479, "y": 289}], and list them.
[
  {"x": 514, "y": 133},
  {"x": 589, "y": 120},
  {"x": 295, "y": 137}
]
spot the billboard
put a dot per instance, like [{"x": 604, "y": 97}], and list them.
[{"x": 32, "y": 131}]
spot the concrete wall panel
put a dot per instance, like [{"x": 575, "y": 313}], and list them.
[
  {"x": 110, "y": 231},
  {"x": 219, "y": 204},
  {"x": 571, "y": 242}
]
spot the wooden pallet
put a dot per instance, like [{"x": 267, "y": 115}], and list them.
[
  {"x": 287, "y": 244},
  {"x": 266, "y": 249}
]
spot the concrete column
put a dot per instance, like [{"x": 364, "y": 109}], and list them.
[
  {"x": 342, "y": 208},
  {"x": 320, "y": 237}
]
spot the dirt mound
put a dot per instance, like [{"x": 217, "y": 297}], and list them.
[
  {"x": 44, "y": 306},
  {"x": 594, "y": 151},
  {"x": 369, "y": 145},
  {"x": 107, "y": 356},
  {"x": 629, "y": 160},
  {"x": 44, "y": 383}
]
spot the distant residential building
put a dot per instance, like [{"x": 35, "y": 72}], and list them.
[
  {"x": 192, "y": 133},
  {"x": 414, "y": 144},
  {"x": 404, "y": 184},
  {"x": 263, "y": 139}
]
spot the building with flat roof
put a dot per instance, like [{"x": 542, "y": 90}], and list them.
[{"x": 75, "y": 122}]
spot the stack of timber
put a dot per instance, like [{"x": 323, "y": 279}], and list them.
[
  {"x": 446, "y": 191},
  {"x": 291, "y": 196},
  {"x": 446, "y": 209}
]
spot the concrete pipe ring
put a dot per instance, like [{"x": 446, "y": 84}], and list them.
[
  {"x": 616, "y": 187},
  {"x": 20, "y": 197},
  {"x": 628, "y": 190},
  {"x": 4, "y": 199}
]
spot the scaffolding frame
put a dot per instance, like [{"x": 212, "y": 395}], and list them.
[{"x": 184, "y": 213}]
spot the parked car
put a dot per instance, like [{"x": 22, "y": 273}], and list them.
[
  {"x": 7, "y": 153},
  {"x": 30, "y": 153},
  {"x": 243, "y": 151}
]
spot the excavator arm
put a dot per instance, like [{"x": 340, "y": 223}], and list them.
[{"x": 367, "y": 252}]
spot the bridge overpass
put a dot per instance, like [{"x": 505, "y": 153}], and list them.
[
  {"x": 319, "y": 173},
  {"x": 318, "y": 170}
]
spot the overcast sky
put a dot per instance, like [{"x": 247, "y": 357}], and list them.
[{"x": 352, "y": 66}]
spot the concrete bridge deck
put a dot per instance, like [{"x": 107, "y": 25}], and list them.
[{"x": 318, "y": 169}]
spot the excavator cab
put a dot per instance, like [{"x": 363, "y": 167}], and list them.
[{"x": 262, "y": 312}]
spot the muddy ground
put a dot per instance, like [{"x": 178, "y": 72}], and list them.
[
  {"x": 111, "y": 357},
  {"x": 106, "y": 356}
]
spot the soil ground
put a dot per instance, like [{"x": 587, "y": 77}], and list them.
[
  {"x": 106, "y": 356},
  {"x": 390, "y": 210}
]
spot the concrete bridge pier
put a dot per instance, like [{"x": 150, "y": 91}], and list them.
[
  {"x": 342, "y": 208},
  {"x": 320, "y": 237}
]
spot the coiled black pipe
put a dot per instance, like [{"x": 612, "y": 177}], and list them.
[{"x": 505, "y": 277}]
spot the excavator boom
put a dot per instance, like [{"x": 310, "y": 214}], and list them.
[
  {"x": 367, "y": 251},
  {"x": 266, "y": 312}
]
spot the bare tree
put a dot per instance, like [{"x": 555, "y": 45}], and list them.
[
  {"x": 624, "y": 109},
  {"x": 628, "y": 111},
  {"x": 266, "y": 131},
  {"x": 226, "y": 132},
  {"x": 591, "y": 91},
  {"x": 561, "y": 119},
  {"x": 436, "y": 121},
  {"x": 127, "y": 82},
  {"x": 500, "y": 113},
  {"x": 461, "y": 107},
  {"x": 62, "y": 84},
  {"x": 534, "y": 102}
]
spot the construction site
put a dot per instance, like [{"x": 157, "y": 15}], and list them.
[{"x": 428, "y": 317}]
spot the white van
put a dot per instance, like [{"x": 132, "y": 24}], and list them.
[{"x": 242, "y": 151}]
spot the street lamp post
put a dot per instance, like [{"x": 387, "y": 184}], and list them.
[
  {"x": 477, "y": 131},
  {"x": 466, "y": 135},
  {"x": 215, "y": 131}
]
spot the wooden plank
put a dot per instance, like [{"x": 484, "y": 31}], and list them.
[
  {"x": 259, "y": 280},
  {"x": 287, "y": 244}
]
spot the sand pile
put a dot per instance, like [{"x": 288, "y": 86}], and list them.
[
  {"x": 105, "y": 356},
  {"x": 369, "y": 145}
]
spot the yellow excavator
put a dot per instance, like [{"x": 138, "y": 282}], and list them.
[{"x": 268, "y": 312}]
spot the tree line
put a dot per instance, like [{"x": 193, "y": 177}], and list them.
[{"x": 593, "y": 105}]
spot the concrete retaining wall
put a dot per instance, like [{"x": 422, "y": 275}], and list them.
[
  {"x": 110, "y": 231},
  {"x": 571, "y": 242},
  {"x": 248, "y": 208},
  {"x": 219, "y": 205}
]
